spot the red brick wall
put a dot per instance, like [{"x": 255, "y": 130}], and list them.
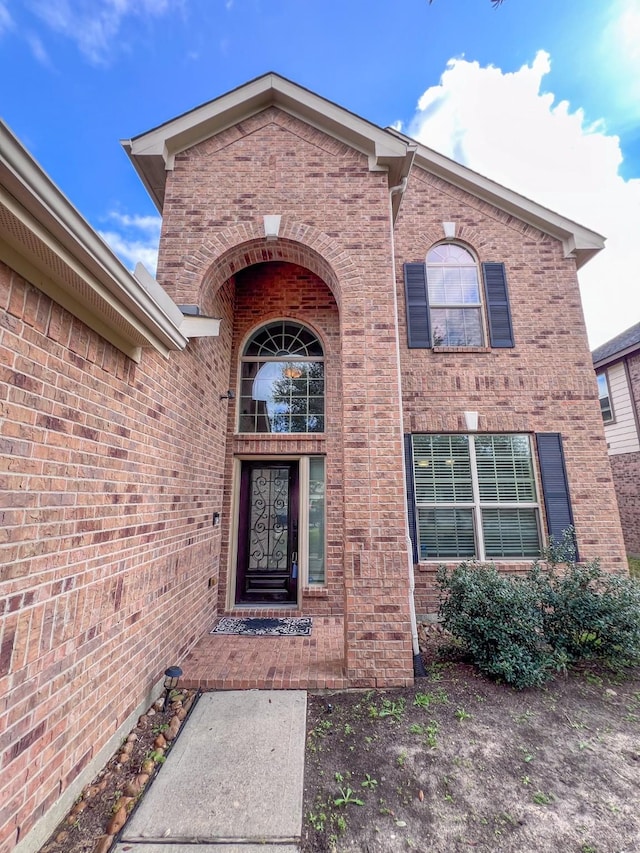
[
  {"x": 335, "y": 221},
  {"x": 114, "y": 470},
  {"x": 544, "y": 384},
  {"x": 626, "y": 476},
  {"x": 626, "y": 473}
]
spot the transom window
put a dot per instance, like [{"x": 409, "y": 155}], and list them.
[
  {"x": 454, "y": 297},
  {"x": 282, "y": 380},
  {"x": 605, "y": 398},
  {"x": 475, "y": 497}
]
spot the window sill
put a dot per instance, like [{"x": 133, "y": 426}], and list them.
[
  {"x": 315, "y": 592},
  {"x": 279, "y": 436},
  {"x": 461, "y": 349},
  {"x": 452, "y": 562}
]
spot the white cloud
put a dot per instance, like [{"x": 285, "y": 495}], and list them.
[
  {"x": 96, "y": 25},
  {"x": 501, "y": 125},
  {"x": 6, "y": 21},
  {"x": 38, "y": 49},
  {"x": 134, "y": 238}
]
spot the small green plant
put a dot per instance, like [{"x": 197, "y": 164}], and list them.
[
  {"x": 317, "y": 820},
  {"x": 527, "y": 756},
  {"x": 348, "y": 729},
  {"x": 417, "y": 729},
  {"x": 400, "y": 760},
  {"x": 341, "y": 823},
  {"x": 157, "y": 756},
  {"x": 347, "y": 797},
  {"x": 542, "y": 799},
  {"x": 394, "y": 709},
  {"x": 369, "y": 782},
  {"x": 526, "y": 780},
  {"x": 425, "y": 700},
  {"x": 431, "y": 732},
  {"x": 588, "y": 848},
  {"x": 159, "y": 728},
  {"x": 462, "y": 715}
]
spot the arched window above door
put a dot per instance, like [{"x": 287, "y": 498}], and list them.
[{"x": 282, "y": 380}]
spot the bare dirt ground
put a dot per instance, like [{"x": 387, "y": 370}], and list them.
[{"x": 458, "y": 763}]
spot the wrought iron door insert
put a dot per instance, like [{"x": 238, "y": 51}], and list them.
[{"x": 267, "y": 570}]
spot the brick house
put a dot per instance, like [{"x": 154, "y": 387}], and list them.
[
  {"x": 617, "y": 366},
  {"x": 359, "y": 360}
]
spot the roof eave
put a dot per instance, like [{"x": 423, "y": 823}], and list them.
[
  {"x": 579, "y": 242},
  {"x": 33, "y": 203}
]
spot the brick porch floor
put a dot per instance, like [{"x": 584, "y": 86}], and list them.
[{"x": 230, "y": 662}]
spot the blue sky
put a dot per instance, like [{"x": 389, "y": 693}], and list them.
[{"x": 540, "y": 95}]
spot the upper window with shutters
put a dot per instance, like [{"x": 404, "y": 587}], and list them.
[{"x": 447, "y": 300}]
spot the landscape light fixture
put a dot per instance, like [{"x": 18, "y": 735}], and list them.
[{"x": 171, "y": 677}]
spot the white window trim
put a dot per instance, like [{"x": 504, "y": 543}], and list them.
[
  {"x": 605, "y": 375},
  {"x": 463, "y": 305},
  {"x": 477, "y": 505}
]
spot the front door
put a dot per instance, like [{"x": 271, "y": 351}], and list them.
[{"x": 267, "y": 570}]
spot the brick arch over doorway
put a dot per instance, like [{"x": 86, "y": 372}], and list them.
[{"x": 229, "y": 251}]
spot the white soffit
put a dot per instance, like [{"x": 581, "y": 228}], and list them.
[{"x": 46, "y": 240}]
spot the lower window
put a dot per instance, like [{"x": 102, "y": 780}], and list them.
[{"x": 475, "y": 497}]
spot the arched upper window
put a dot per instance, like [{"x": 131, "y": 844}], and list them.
[
  {"x": 454, "y": 297},
  {"x": 282, "y": 380}
]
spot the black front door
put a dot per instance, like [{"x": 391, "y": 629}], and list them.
[{"x": 267, "y": 570}]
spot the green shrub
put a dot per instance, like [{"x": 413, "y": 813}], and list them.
[
  {"x": 589, "y": 613},
  {"x": 522, "y": 630},
  {"x": 500, "y": 623}
]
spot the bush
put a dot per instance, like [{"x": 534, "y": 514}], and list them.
[
  {"x": 522, "y": 630},
  {"x": 500, "y": 623},
  {"x": 590, "y": 614}
]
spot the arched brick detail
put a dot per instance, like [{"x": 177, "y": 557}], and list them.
[
  {"x": 229, "y": 251},
  {"x": 464, "y": 234}
]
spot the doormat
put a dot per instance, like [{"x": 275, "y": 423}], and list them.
[{"x": 264, "y": 627}]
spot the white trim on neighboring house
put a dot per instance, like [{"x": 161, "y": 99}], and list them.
[
  {"x": 622, "y": 432},
  {"x": 45, "y": 240}
]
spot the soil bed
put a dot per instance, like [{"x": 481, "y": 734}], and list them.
[
  {"x": 458, "y": 763},
  {"x": 105, "y": 805}
]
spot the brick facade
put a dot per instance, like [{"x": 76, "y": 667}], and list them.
[
  {"x": 626, "y": 471},
  {"x": 113, "y": 472},
  {"x": 112, "y": 568}
]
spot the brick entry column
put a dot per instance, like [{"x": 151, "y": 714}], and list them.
[{"x": 378, "y": 650}]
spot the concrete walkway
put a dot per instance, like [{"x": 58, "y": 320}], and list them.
[{"x": 233, "y": 780}]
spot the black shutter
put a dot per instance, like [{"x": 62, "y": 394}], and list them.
[
  {"x": 417, "y": 306},
  {"x": 498, "y": 312},
  {"x": 555, "y": 486},
  {"x": 411, "y": 495}
]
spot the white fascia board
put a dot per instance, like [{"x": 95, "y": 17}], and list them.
[
  {"x": 579, "y": 242},
  {"x": 43, "y": 203}
]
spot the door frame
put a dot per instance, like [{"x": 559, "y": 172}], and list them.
[{"x": 232, "y": 558}]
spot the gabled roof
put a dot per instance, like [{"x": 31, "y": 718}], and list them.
[
  {"x": 623, "y": 344},
  {"x": 153, "y": 153}
]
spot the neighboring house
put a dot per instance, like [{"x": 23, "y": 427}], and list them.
[
  {"x": 617, "y": 366},
  {"x": 359, "y": 360}
]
